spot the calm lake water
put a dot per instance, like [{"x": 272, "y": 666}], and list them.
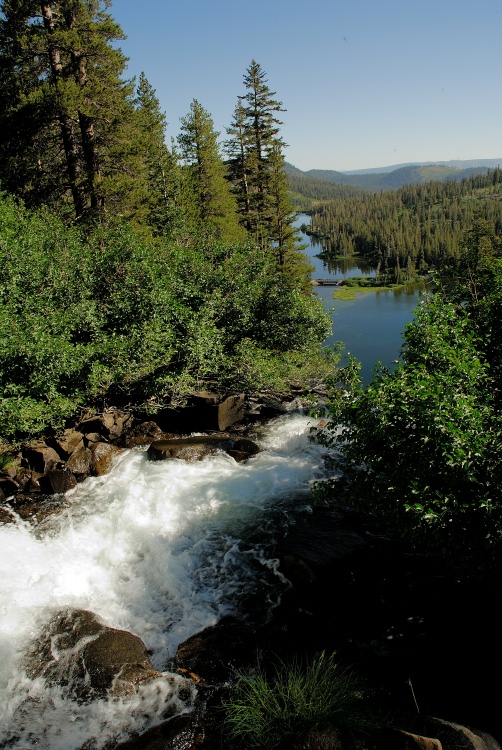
[{"x": 371, "y": 326}]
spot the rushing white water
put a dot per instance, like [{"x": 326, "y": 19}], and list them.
[{"x": 162, "y": 549}]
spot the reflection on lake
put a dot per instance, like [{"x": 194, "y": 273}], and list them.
[{"x": 371, "y": 326}]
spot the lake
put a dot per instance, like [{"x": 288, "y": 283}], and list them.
[{"x": 371, "y": 326}]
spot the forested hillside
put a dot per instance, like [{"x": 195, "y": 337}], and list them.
[{"x": 410, "y": 229}]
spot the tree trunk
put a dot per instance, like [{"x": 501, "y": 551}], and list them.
[{"x": 66, "y": 124}]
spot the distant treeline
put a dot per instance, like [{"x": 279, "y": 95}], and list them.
[{"x": 410, "y": 229}]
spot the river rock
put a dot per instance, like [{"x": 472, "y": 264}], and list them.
[
  {"x": 398, "y": 739},
  {"x": 41, "y": 457},
  {"x": 458, "y": 737},
  {"x": 204, "y": 412},
  {"x": 230, "y": 411},
  {"x": 95, "y": 424},
  {"x": 103, "y": 455},
  {"x": 188, "y": 449},
  {"x": 35, "y": 507},
  {"x": 120, "y": 421},
  {"x": 183, "y": 732},
  {"x": 93, "y": 437},
  {"x": 215, "y": 652},
  {"x": 76, "y": 650},
  {"x": 22, "y": 477},
  {"x": 80, "y": 461},
  {"x": 242, "y": 448},
  {"x": 197, "y": 447},
  {"x": 143, "y": 434},
  {"x": 28, "y": 480},
  {"x": 68, "y": 442},
  {"x": 109, "y": 425},
  {"x": 57, "y": 481},
  {"x": 8, "y": 486}
]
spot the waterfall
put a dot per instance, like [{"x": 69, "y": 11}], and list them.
[{"x": 162, "y": 549}]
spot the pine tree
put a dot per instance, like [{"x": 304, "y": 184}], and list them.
[
  {"x": 69, "y": 114},
  {"x": 256, "y": 168},
  {"x": 213, "y": 205},
  {"x": 163, "y": 209},
  {"x": 238, "y": 168}
]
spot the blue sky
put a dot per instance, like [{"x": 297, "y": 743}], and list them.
[{"x": 366, "y": 83}]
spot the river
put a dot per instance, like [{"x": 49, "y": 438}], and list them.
[
  {"x": 370, "y": 326},
  {"x": 162, "y": 549}
]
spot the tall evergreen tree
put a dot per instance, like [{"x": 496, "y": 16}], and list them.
[
  {"x": 256, "y": 167},
  {"x": 163, "y": 209},
  {"x": 68, "y": 112},
  {"x": 213, "y": 205},
  {"x": 238, "y": 167}
]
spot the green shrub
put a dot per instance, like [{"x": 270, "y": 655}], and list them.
[
  {"x": 265, "y": 712},
  {"x": 114, "y": 317},
  {"x": 420, "y": 446}
]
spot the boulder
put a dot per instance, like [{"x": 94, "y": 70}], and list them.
[
  {"x": 230, "y": 411},
  {"x": 213, "y": 654},
  {"x": 143, "y": 434},
  {"x": 204, "y": 412},
  {"x": 120, "y": 421},
  {"x": 398, "y": 739},
  {"x": 76, "y": 650},
  {"x": 23, "y": 477},
  {"x": 182, "y": 732},
  {"x": 242, "y": 448},
  {"x": 458, "y": 737},
  {"x": 93, "y": 437},
  {"x": 205, "y": 398},
  {"x": 102, "y": 456},
  {"x": 41, "y": 457},
  {"x": 35, "y": 507},
  {"x": 188, "y": 449},
  {"x": 80, "y": 461},
  {"x": 67, "y": 443},
  {"x": 197, "y": 447},
  {"x": 57, "y": 482},
  {"x": 94, "y": 424},
  {"x": 28, "y": 480},
  {"x": 8, "y": 486}
]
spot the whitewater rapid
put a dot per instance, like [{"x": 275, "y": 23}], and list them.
[{"x": 162, "y": 549}]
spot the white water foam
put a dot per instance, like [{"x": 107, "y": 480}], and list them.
[{"x": 162, "y": 549}]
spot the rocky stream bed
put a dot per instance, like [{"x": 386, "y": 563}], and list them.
[{"x": 426, "y": 645}]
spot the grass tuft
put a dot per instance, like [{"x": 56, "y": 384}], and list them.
[{"x": 297, "y": 699}]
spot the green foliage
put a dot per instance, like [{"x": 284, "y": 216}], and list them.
[
  {"x": 114, "y": 317},
  {"x": 421, "y": 445},
  {"x": 72, "y": 140},
  {"x": 257, "y": 172},
  {"x": 162, "y": 203},
  {"x": 212, "y": 204},
  {"x": 269, "y": 712}
]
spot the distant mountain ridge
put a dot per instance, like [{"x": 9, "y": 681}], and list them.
[
  {"x": 390, "y": 178},
  {"x": 456, "y": 163}
]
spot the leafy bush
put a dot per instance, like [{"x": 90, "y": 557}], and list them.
[
  {"x": 265, "y": 712},
  {"x": 421, "y": 445},
  {"x": 114, "y": 317}
]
